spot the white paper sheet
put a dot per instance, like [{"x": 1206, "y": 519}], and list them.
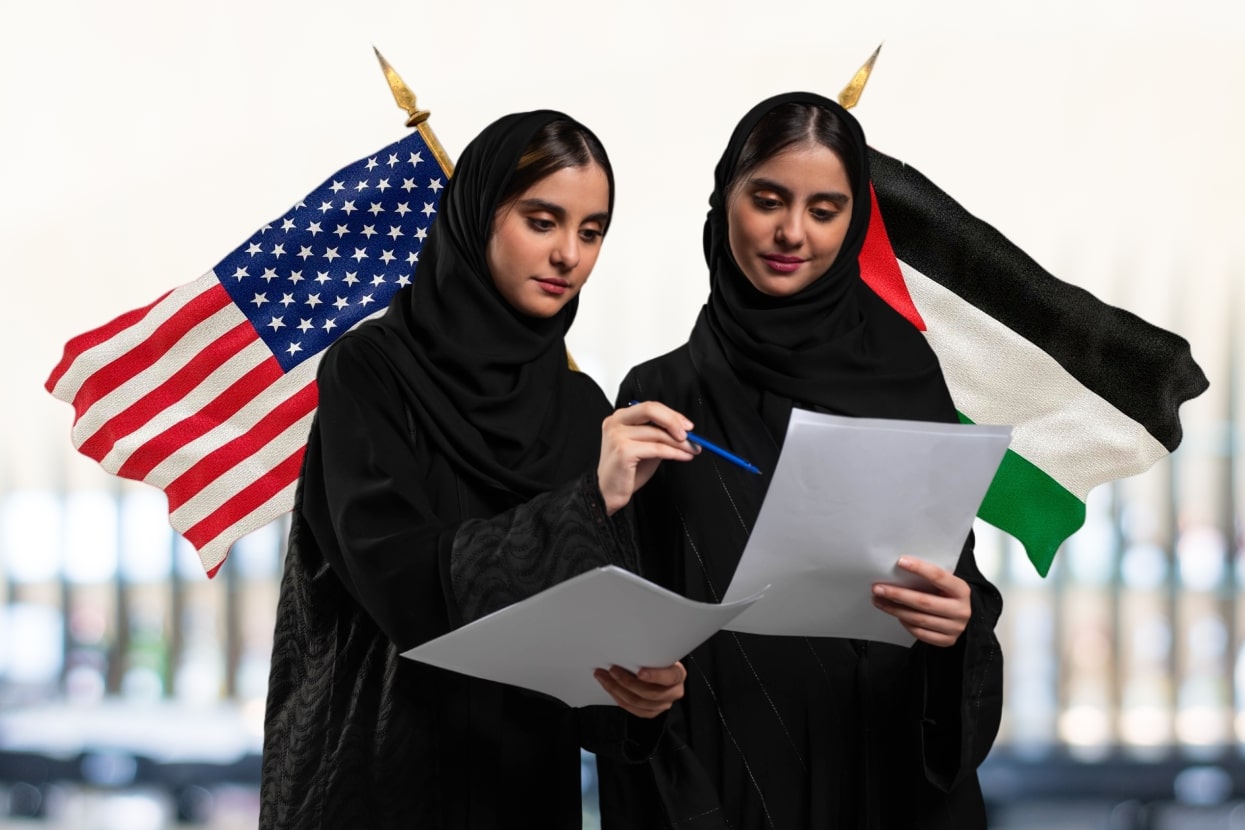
[
  {"x": 553, "y": 641},
  {"x": 849, "y": 497}
]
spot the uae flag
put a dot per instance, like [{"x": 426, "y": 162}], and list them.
[{"x": 1093, "y": 391}]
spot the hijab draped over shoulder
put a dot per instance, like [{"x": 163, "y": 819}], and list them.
[
  {"x": 490, "y": 387},
  {"x": 835, "y": 345}
]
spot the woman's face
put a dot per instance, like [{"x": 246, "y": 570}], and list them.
[
  {"x": 545, "y": 243},
  {"x": 786, "y": 221}
]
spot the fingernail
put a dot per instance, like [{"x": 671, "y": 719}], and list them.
[
  {"x": 643, "y": 674},
  {"x": 687, "y": 424},
  {"x": 904, "y": 562},
  {"x": 879, "y": 591}
]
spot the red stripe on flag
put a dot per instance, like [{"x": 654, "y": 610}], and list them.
[
  {"x": 229, "y": 455},
  {"x": 180, "y": 384},
  {"x": 245, "y": 501},
  {"x": 880, "y": 269},
  {"x": 146, "y": 353},
  {"x": 197, "y": 424},
  {"x": 93, "y": 338}
]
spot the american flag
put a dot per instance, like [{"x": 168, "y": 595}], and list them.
[{"x": 208, "y": 393}]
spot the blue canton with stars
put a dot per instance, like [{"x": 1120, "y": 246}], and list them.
[{"x": 340, "y": 254}]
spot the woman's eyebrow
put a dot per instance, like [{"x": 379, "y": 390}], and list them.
[{"x": 840, "y": 199}]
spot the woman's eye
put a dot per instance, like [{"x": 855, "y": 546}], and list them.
[
  {"x": 765, "y": 202},
  {"x": 590, "y": 234},
  {"x": 538, "y": 224},
  {"x": 823, "y": 215}
]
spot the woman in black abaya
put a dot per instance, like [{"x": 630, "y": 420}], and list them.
[
  {"x": 785, "y": 732},
  {"x": 456, "y": 465}
]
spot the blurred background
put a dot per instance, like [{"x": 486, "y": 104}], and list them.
[{"x": 142, "y": 140}]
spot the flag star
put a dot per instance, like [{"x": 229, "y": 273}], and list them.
[
  {"x": 275, "y": 323},
  {"x": 359, "y": 254},
  {"x": 412, "y": 258},
  {"x": 278, "y": 250},
  {"x": 286, "y": 300},
  {"x": 329, "y": 324},
  {"x": 313, "y": 228},
  {"x": 404, "y": 281},
  {"x": 336, "y": 186},
  {"x": 361, "y": 186},
  {"x": 351, "y": 277},
  {"x": 304, "y": 251},
  {"x": 371, "y": 163},
  {"x": 322, "y": 277},
  {"x": 287, "y": 225},
  {"x": 313, "y": 300},
  {"x": 331, "y": 254},
  {"x": 415, "y": 159},
  {"x": 269, "y": 274},
  {"x": 367, "y": 298},
  {"x": 378, "y": 280},
  {"x": 375, "y": 209},
  {"x": 395, "y": 231},
  {"x": 240, "y": 273},
  {"x": 387, "y": 257},
  {"x": 325, "y": 207},
  {"x": 296, "y": 277},
  {"x": 260, "y": 299},
  {"x": 304, "y": 326},
  {"x": 265, "y": 228},
  {"x": 408, "y": 185},
  {"x": 341, "y": 231},
  {"x": 428, "y": 209},
  {"x": 369, "y": 231},
  {"x": 383, "y": 185},
  {"x": 340, "y": 303},
  {"x": 294, "y": 347},
  {"x": 254, "y": 249},
  {"x": 403, "y": 209},
  {"x": 421, "y": 233},
  {"x": 435, "y": 185},
  {"x": 393, "y": 159},
  {"x": 349, "y": 208},
  {"x": 301, "y": 204}
]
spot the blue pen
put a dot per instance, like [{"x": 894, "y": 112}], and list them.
[{"x": 714, "y": 448}]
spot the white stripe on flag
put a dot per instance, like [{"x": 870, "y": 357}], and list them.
[
  {"x": 96, "y": 357},
  {"x": 193, "y": 402},
  {"x": 214, "y": 552},
  {"x": 188, "y": 347},
  {"x": 998, "y": 377},
  {"x": 242, "y": 474}
]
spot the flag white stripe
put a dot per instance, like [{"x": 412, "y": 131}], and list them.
[
  {"x": 215, "y": 551},
  {"x": 191, "y": 404},
  {"x": 1070, "y": 432},
  {"x": 203, "y": 336},
  {"x": 242, "y": 475},
  {"x": 96, "y": 357}
]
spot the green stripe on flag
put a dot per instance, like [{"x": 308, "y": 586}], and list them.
[{"x": 1031, "y": 506}]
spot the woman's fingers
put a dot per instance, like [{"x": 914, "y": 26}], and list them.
[
  {"x": 938, "y": 615},
  {"x": 644, "y": 698}
]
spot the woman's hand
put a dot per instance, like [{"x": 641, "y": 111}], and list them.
[
  {"x": 634, "y": 440},
  {"x": 938, "y": 616},
  {"x": 647, "y": 694}
]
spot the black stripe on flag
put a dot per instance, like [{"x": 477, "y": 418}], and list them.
[{"x": 1144, "y": 371}]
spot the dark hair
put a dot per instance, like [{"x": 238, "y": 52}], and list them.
[
  {"x": 557, "y": 145},
  {"x": 790, "y": 124}
]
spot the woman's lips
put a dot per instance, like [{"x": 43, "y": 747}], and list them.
[
  {"x": 552, "y": 286},
  {"x": 781, "y": 263}
]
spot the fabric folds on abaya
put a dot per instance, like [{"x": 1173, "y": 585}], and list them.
[
  {"x": 450, "y": 471},
  {"x": 788, "y": 733}
]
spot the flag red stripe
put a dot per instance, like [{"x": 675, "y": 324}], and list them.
[
  {"x": 245, "y": 501},
  {"x": 195, "y": 425},
  {"x": 89, "y": 340},
  {"x": 146, "y": 353},
  {"x": 880, "y": 269},
  {"x": 227, "y": 456},
  {"x": 180, "y": 384}
]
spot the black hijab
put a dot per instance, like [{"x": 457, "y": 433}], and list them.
[
  {"x": 835, "y": 345},
  {"x": 489, "y": 386}
]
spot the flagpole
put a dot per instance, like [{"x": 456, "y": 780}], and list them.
[
  {"x": 416, "y": 117},
  {"x": 851, "y": 93}
]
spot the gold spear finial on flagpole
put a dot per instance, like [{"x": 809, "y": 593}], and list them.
[
  {"x": 416, "y": 117},
  {"x": 850, "y": 95}
]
